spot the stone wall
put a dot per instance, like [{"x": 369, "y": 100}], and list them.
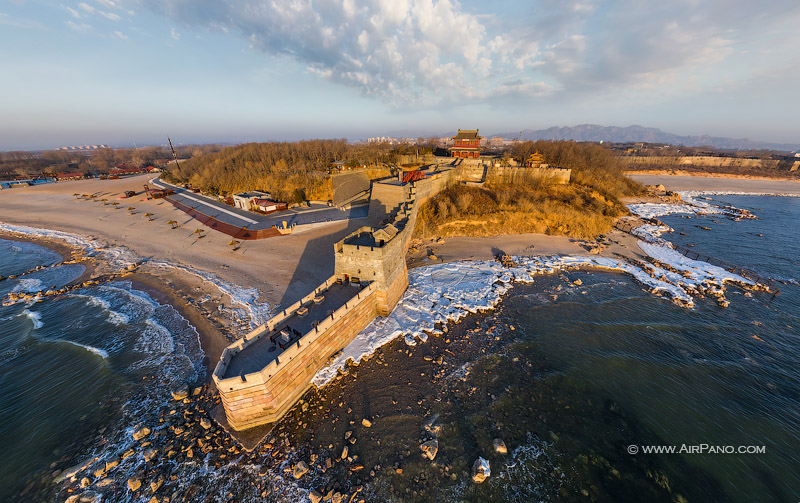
[
  {"x": 385, "y": 198},
  {"x": 348, "y": 184},
  {"x": 711, "y": 161},
  {"x": 510, "y": 174},
  {"x": 263, "y": 397}
]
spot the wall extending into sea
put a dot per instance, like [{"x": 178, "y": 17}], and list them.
[{"x": 371, "y": 261}]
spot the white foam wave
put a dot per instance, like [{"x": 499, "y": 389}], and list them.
[
  {"x": 114, "y": 317},
  {"x": 28, "y": 285},
  {"x": 247, "y": 297},
  {"x": 101, "y": 353},
  {"x": 117, "y": 257},
  {"x": 35, "y": 317}
]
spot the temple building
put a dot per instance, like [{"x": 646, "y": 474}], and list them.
[
  {"x": 466, "y": 144},
  {"x": 535, "y": 160}
]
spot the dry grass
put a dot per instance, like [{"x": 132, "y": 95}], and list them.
[{"x": 578, "y": 209}]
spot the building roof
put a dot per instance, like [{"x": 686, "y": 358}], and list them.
[
  {"x": 467, "y": 134},
  {"x": 266, "y": 202},
  {"x": 251, "y": 194}
]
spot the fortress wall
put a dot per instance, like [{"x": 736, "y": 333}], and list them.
[
  {"x": 509, "y": 174},
  {"x": 263, "y": 397},
  {"x": 385, "y": 198},
  {"x": 347, "y": 185},
  {"x": 707, "y": 160},
  {"x": 266, "y": 395},
  {"x": 429, "y": 187},
  {"x": 387, "y": 299}
]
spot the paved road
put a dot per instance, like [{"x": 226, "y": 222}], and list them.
[{"x": 235, "y": 216}]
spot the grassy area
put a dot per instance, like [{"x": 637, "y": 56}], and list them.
[{"x": 584, "y": 208}]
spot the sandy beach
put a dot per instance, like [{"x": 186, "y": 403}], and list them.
[
  {"x": 720, "y": 183},
  {"x": 282, "y": 269}
]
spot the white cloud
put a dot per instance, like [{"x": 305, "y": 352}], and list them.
[
  {"x": 174, "y": 34},
  {"x": 79, "y": 27},
  {"x": 109, "y": 15},
  {"x": 430, "y": 51},
  {"x": 119, "y": 35},
  {"x": 75, "y": 14}
]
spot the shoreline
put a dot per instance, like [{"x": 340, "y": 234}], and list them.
[
  {"x": 156, "y": 286},
  {"x": 703, "y": 174}
]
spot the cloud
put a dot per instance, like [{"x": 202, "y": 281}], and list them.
[
  {"x": 26, "y": 24},
  {"x": 440, "y": 51},
  {"x": 79, "y": 27},
  {"x": 174, "y": 34},
  {"x": 109, "y": 15},
  {"x": 119, "y": 35}
]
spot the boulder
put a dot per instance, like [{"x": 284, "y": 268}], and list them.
[
  {"x": 480, "y": 470},
  {"x": 134, "y": 483},
  {"x": 499, "y": 446},
  {"x": 156, "y": 484},
  {"x": 431, "y": 426},
  {"x": 314, "y": 496},
  {"x": 205, "y": 423},
  {"x": 141, "y": 433},
  {"x": 180, "y": 394},
  {"x": 300, "y": 469},
  {"x": 344, "y": 453},
  {"x": 149, "y": 454},
  {"x": 105, "y": 482},
  {"x": 366, "y": 423},
  {"x": 430, "y": 449}
]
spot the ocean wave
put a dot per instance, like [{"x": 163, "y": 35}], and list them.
[
  {"x": 117, "y": 257},
  {"x": 35, "y": 317},
  {"x": 247, "y": 297},
  {"x": 28, "y": 285},
  {"x": 114, "y": 317},
  {"x": 102, "y": 353}
]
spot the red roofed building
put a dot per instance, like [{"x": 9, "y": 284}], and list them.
[
  {"x": 268, "y": 205},
  {"x": 466, "y": 144}
]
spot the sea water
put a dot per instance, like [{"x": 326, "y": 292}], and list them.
[
  {"x": 617, "y": 368},
  {"x": 588, "y": 372},
  {"x": 77, "y": 369}
]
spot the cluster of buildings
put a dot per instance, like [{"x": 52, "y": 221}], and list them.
[
  {"x": 258, "y": 201},
  {"x": 80, "y": 148}
]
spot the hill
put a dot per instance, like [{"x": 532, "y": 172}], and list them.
[{"x": 593, "y": 132}]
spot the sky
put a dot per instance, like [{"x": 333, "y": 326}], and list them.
[{"x": 121, "y": 72}]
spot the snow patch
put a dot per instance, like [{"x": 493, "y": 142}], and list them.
[{"x": 447, "y": 292}]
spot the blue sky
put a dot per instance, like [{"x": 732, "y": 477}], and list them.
[{"x": 125, "y": 71}]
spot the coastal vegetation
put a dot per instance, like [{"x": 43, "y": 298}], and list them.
[
  {"x": 285, "y": 169},
  {"x": 22, "y": 164},
  {"x": 584, "y": 208}
]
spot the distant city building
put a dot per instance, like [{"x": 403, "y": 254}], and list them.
[
  {"x": 496, "y": 141},
  {"x": 382, "y": 139},
  {"x": 466, "y": 144},
  {"x": 81, "y": 148}
]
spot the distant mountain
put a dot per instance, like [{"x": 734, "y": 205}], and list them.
[{"x": 593, "y": 132}]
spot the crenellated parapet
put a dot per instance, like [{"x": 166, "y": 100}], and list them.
[{"x": 262, "y": 375}]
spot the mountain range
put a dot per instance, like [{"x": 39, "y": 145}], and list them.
[{"x": 593, "y": 132}]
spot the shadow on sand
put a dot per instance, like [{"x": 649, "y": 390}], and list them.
[{"x": 316, "y": 264}]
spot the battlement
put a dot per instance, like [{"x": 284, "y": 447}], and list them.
[{"x": 260, "y": 376}]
